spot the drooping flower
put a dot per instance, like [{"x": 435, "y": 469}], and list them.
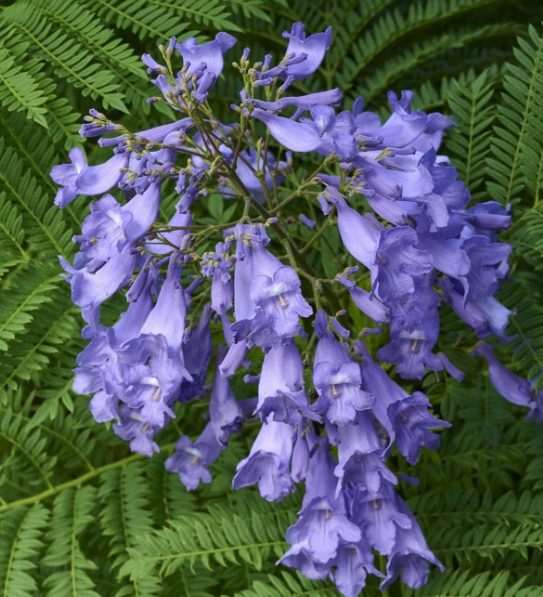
[
  {"x": 510, "y": 386},
  {"x": 323, "y": 525},
  {"x": 410, "y": 554},
  {"x": 191, "y": 460},
  {"x": 78, "y": 178},
  {"x": 305, "y": 54},
  {"x": 268, "y": 464},
  {"x": 337, "y": 379},
  {"x": 281, "y": 393},
  {"x": 406, "y": 418}
]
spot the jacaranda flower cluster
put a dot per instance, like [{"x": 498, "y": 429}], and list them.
[{"x": 330, "y": 414}]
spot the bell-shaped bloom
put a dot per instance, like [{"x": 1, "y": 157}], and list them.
[
  {"x": 379, "y": 517},
  {"x": 296, "y": 136},
  {"x": 317, "y": 134},
  {"x": 366, "y": 302},
  {"x": 447, "y": 252},
  {"x": 275, "y": 302},
  {"x": 323, "y": 524},
  {"x": 192, "y": 459},
  {"x": 301, "y": 455},
  {"x": 486, "y": 316},
  {"x": 402, "y": 416},
  {"x": 281, "y": 393},
  {"x": 162, "y": 245},
  {"x": 410, "y": 554},
  {"x": 400, "y": 130},
  {"x": 225, "y": 413},
  {"x": 217, "y": 264},
  {"x": 152, "y": 365},
  {"x": 361, "y": 459},
  {"x": 156, "y": 134},
  {"x": 103, "y": 406},
  {"x": 197, "y": 351},
  {"x": 412, "y": 423},
  {"x": 399, "y": 263},
  {"x": 134, "y": 428},
  {"x": 78, "y": 178},
  {"x": 338, "y": 381},
  {"x": 354, "y": 561},
  {"x": 91, "y": 288},
  {"x": 510, "y": 386},
  {"x": 485, "y": 274},
  {"x": 414, "y": 330},
  {"x": 360, "y": 235},
  {"x": 103, "y": 231},
  {"x": 206, "y": 58},
  {"x": 305, "y": 54},
  {"x": 488, "y": 218},
  {"x": 268, "y": 463}
]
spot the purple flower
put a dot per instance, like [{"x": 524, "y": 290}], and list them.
[
  {"x": 192, "y": 460},
  {"x": 197, "y": 351},
  {"x": 361, "y": 459},
  {"x": 377, "y": 514},
  {"x": 91, "y": 288},
  {"x": 281, "y": 393},
  {"x": 485, "y": 272},
  {"x": 513, "y": 388},
  {"x": 205, "y": 58},
  {"x": 399, "y": 263},
  {"x": 359, "y": 234},
  {"x": 269, "y": 312},
  {"x": 353, "y": 563},
  {"x": 323, "y": 524},
  {"x": 410, "y": 554},
  {"x": 318, "y": 134},
  {"x": 486, "y": 316},
  {"x": 337, "y": 380},
  {"x": 78, "y": 178},
  {"x": 268, "y": 462},
  {"x": 225, "y": 413},
  {"x": 134, "y": 428},
  {"x": 414, "y": 330},
  {"x": 405, "y": 418},
  {"x": 307, "y": 221},
  {"x": 366, "y": 302},
  {"x": 303, "y": 103},
  {"x": 305, "y": 54}
]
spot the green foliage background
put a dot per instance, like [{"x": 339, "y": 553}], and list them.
[{"x": 79, "y": 515}]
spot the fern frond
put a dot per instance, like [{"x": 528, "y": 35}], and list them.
[
  {"x": 288, "y": 584},
  {"x": 11, "y": 229},
  {"x": 125, "y": 518},
  {"x": 43, "y": 222},
  {"x": 480, "y": 585},
  {"x": 72, "y": 61},
  {"x": 393, "y": 26},
  {"x": 19, "y": 91},
  {"x": 214, "y": 537},
  {"x": 522, "y": 84},
  {"x": 116, "y": 57},
  {"x": 474, "y": 113},
  {"x": 26, "y": 291},
  {"x": 135, "y": 15},
  {"x": 383, "y": 79},
  {"x": 27, "y": 453},
  {"x": 22, "y": 540},
  {"x": 72, "y": 513}
]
